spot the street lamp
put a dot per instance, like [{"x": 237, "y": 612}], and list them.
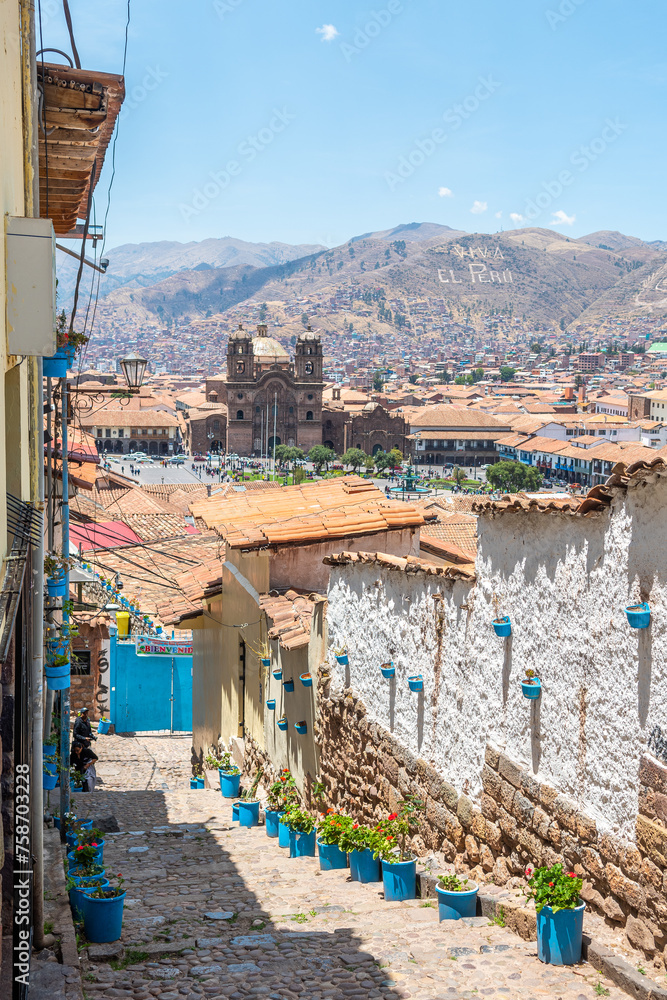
[{"x": 133, "y": 367}]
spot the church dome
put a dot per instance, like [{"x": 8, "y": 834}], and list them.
[
  {"x": 239, "y": 334},
  {"x": 309, "y": 335},
  {"x": 264, "y": 346}
]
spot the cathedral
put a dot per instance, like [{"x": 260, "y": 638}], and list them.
[{"x": 269, "y": 398}]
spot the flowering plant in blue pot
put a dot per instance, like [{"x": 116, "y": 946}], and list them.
[
  {"x": 103, "y": 912},
  {"x": 560, "y": 914},
  {"x": 399, "y": 865},
  {"x": 330, "y": 828},
  {"x": 341, "y": 656},
  {"x": 301, "y": 826},
  {"x": 457, "y": 897},
  {"x": 531, "y": 686}
]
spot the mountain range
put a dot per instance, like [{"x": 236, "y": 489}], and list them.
[{"x": 537, "y": 273}]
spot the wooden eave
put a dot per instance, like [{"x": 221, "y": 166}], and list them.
[{"x": 79, "y": 113}]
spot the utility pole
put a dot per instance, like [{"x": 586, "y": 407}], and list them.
[
  {"x": 64, "y": 694},
  {"x": 275, "y": 410}
]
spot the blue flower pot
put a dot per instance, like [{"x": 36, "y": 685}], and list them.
[
  {"x": 58, "y": 646},
  {"x": 283, "y": 834},
  {"x": 271, "y": 819},
  {"x": 639, "y": 616},
  {"x": 400, "y": 880},
  {"x": 103, "y": 918},
  {"x": 57, "y": 678},
  {"x": 74, "y": 859},
  {"x": 416, "y": 683},
  {"x": 331, "y": 856},
  {"x": 502, "y": 626},
  {"x": 49, "y": 752},
  {"x": 86, "y": 824},
  {"x": 200, "y": 782},
  {"x": 230, "y": 782},
  {"x": 559, "y": 935},
  {"x": 301, "y": 845},
  {"x": 49, "y": 781},
  {"x": 289, "y": 685},
  {"x": 76, "y": 896},
  {"x": 103, "y": 727},
  {"x": 301, "y": 728},
  {"x": 282, "y": 724},
  {"x": 193, "y": 782},
  {"x": 51, "y": 766},
  {"x": 54, "y": 367},
  {"x": 55, "y": 584},
  {"x": 388, "y": 670},
  {"x": 454, "y": 905},
  {"x": 271, "y": 704},
  {"x": 306, "y": 680},
  {"x": 364, "y": 867},
  {"x": 72, "y": 873},
  {"x": 235, "y": 812},
  {"x": 532, "y": 691},
  {"x": 266, "y": 661},
  {"x": 343, "y": 659},
  {"x": 56, "y": 822},
  {"x": 278, "y": 674},
  {"x": 248, "y": 813}
]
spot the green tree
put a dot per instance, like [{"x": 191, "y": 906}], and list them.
[
  {"x": 444, "y": 376},
  {"x": 536, "y": 347},
  {"x": 395, "y": 457},
  {"x": 354, "y": 457},
  {"x": 381, "y": 460},
  {"x": 413, "y": 379},
  {"x": 460, "y": 380},
  {"x": 378, "y": 380},
  {"x": 320, "y": 455},
  {"x": 304, "y": 319},
  {"x": 458, "y": 474},
  {"x": 263, "y": 309},
  {"x": 369, "y": 463},
  {"x": 507, "y": 373},
  {"x": 562, "y": 323},
  {"x": 287, "y": 455},
  {"x": 511, "y": 477}
]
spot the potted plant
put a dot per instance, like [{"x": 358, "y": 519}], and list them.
[
  {"x": 306, "y": 680},
  {"x": 341, "y": 655},
  {"x": 560, "y": 914},
  {"x": 387, "y": 669},
  {"x": 289, "y": 685},
  {"x": 89, "y": 869},
  {"x": 277, "y": 673},
  {"x": 264, "y": 653},
  {"x": 249, "y": 803},
  {"x": 416, "y": 683},
  {"x": 502, "y": 626},
  {"x": 399, "y": 865},
  {"x": 75, "y": 889},
  {"x": 282, "y": 723},
  {"x": 330, "y": 829},
  {"x": 85, "y": 853},
  {"x": 199, "y": 776},
  {"x": 49, "y": 780},
  {"x": 638, "y": 615},
  {"x": 275, "y": 806},
  {"x": 456, "y": 897},
  {"x": 271, "y": 704},
  {"x": 103, "y": 912},
  {"x": 103, "y": 725},
  {"x": 230, "y": 777},
  {"x": 360, "y": 842},
  {"x": 531, "y": 686},
  {"x": 288, "y": 799},
  {"x": 301, "y": 826},
  {"x": 301, "y": 727},
  {"x": 55, "y": 569}
]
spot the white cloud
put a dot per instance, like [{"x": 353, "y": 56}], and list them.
[
  {"x": 499, "y": 215},
  {"x": 561, "y": 219},
  {"x": 445, "y": 192},
  {"x": 516, "y": 218},
  {"x": 328, "y": 32},
  {"x": 479, "y": 207}
]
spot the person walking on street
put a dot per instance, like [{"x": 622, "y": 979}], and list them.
[{"x": 82, "y": 731}]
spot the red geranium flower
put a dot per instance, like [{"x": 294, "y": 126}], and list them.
[
  {"x": 392, "y": 816},
  {"x": 80, "y": 847},
  {"x": 356, "y": 826},
  {"x": 329, "y": 811},
  {"x": 550, "y": 883},
  {"x": 572, "y": 875}
]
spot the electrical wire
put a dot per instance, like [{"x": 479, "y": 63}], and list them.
[{"x": 68, "y": 18}]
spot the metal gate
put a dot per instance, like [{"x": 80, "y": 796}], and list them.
[{"x": 149, "y": 692}]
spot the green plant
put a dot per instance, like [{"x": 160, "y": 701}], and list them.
[
  {"x": 250, "y": 794},
  {"x": 498, "y": 918},
  {"x": 56, "y": 564},
  {"x": 339, "y": 650},
  {"x": 531, "y": 676},
  {"x": 94, "y": 837},
  {"x": 48, "y": 926},
  {"x": 332, "y": 826},
  {"x": 641, "y": 970},
  {"x": 131, "y": 957},
  {"x": 283, "y": 793},
  {"x": 453, "y": 884},
  {"x": 110, "y": 891},
  {"x": 85, "y": 853},
  {"x": 359, "y": 837},
  {"x": 601, "y": 990},
  {"x": 553, "y": 887},
  {"x": 395, "y": 830},
  {"x": 211, "y": 761},
  {"x": 425, "y": 906},
  {"x": 300, "y": 918},
  {"x": 299, "y": 820}
]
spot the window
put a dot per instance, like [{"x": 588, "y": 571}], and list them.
[
  {"x": 310, "y": 350},
  {"x": 258, "y": 409},
  {"x": 291, "y": 409},
  {"x": 309, "y": 415},
  {"x": 107, "y": 432},
  {"x": 240, "y": 367},
  {"x": 239, "y": 349},
  {"x": 239, "y": 414},
  {"x": 308, "y": 368},
  {"x": 216, "y": 425},
  {"x": 240, "y": 395},
  {"x": 310, "y": 395}
]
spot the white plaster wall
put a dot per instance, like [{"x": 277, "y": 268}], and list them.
[{"x": 564, "y": 582}]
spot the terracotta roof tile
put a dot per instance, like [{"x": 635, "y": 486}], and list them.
[{"x": 407, "y": 565}]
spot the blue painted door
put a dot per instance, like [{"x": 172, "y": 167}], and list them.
[{"x": 141, "y": 700}]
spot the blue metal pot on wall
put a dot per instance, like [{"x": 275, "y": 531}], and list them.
[
  {"x": 638, "y": 615},
  {"x": 532, "y": 691},
  {"x": 57, "y": 365},
  {"x": 55, "y": 584},
  {"x": 388, "y": 669},
  {"x": 289, "y": 685},
  {"x": 559, "y": 935}
]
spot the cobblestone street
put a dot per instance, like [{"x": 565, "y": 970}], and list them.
[{"x": 220, "y": 912}]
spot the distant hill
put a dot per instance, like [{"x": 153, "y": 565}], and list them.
[
  {"x": 139, "y": 265},
  {"x": 537, "y": 273}
]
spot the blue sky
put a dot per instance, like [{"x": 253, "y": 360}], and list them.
[{"x": 242, "y": 119}]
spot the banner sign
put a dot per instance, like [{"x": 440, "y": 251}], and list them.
[{"x": 152, "y": 646}]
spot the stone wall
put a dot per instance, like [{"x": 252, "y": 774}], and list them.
[{"x": 519, "y": 820}]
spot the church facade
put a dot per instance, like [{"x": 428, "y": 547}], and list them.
[{"x": 270, "y": 398}]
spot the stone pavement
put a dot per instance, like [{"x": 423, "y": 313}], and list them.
[{"x": 214, "y": 911}]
